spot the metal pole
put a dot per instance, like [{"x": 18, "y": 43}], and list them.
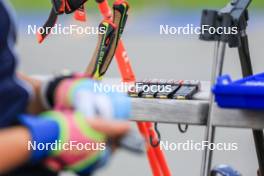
[
  {"x": 217, "y": 68},
  {"x": 247, "y": 70}
]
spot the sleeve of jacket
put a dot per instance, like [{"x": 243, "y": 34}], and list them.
[{"x": 14, "y": 93}]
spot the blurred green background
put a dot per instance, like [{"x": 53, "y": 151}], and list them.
[{"x": 138, "y": 4}]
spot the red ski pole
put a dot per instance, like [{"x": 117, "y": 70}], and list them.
[
  {"x": 155, "y": 155},
  {"x": 158, "y": 152},
  {"x": 152, "y": 158}
]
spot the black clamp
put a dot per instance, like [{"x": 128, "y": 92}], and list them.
[{"x": 230, "y": 22}]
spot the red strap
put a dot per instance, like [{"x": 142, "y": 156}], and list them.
[
  {"x": 80, "y": 14},
  {"x": 47, "y": 26}
]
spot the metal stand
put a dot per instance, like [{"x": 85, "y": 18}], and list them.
[
  {"x": 235, "y": 14},
  {"x": 247, "y": 70},
  {"x": 210, "y": 130}
]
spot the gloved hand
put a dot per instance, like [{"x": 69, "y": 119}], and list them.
[
  {"x": 89, "y": 97},
  {"x": 69, "y": 141},
  {"x": 86, "y": 96}
]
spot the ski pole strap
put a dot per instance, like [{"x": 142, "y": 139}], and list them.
[
  {"x": 80, "y": 14},
  {"x": 50, "y": 23},
  {"x": 107, "y": 42},
  {"x": 60, "y": 7}
]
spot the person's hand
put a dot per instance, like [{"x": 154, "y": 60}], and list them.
[
  {"x": 71, "y": 141},
  {"x": 88, "y": 97}
]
